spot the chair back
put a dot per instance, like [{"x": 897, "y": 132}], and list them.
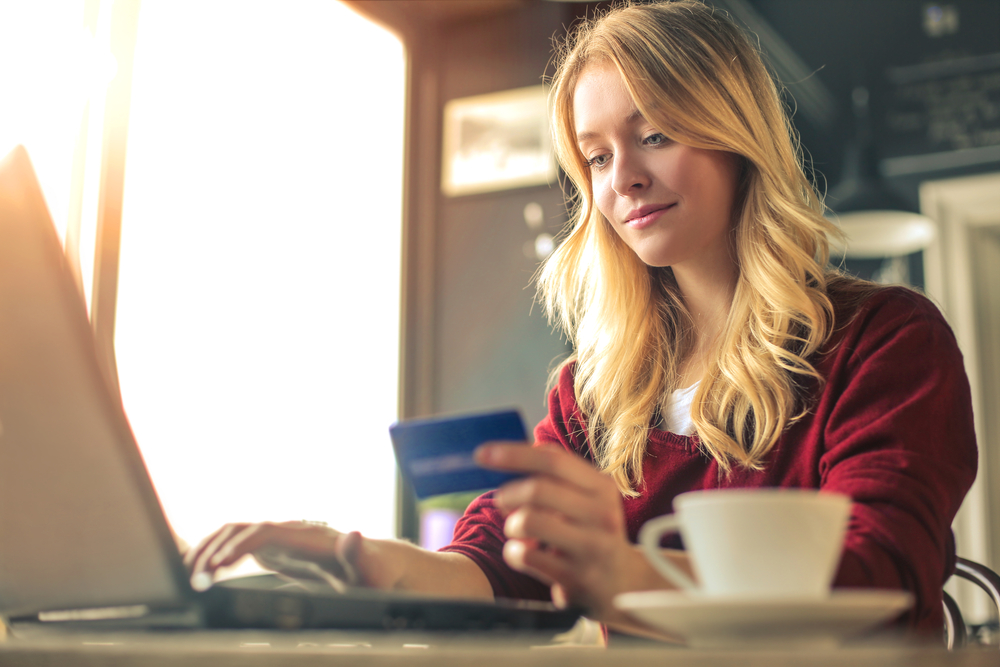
[{"x": 956, "y": 634}]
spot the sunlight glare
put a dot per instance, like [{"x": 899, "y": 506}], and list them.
[
  {"x": 258, "y": 314},
  {"x": 52, "y": 66}
]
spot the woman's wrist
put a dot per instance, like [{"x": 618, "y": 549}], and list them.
[
  {"x": 640, "y": 576},
  {"x": 680, "y": 560},
  {"x": 380, "y": 563},
  {"x": 643, "y": 576}
]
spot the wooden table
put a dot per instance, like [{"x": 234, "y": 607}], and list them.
[{"x": 253, "y": 648}]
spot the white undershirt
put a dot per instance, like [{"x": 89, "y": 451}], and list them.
[{"x": 677, "y": 411}]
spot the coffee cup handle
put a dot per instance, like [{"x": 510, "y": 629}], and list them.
[{"x": 649, "y": 540}]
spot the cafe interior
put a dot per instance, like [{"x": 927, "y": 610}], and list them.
[{"x": 294, "y": 224}]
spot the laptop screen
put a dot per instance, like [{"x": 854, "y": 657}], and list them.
[{"x": 80, "y": 524}]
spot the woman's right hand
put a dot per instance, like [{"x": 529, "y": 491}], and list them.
[{"x": 347, "y": 557}]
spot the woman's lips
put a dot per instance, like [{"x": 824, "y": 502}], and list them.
[{"x": 645, "y": 216}]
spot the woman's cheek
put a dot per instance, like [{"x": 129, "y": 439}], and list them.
[{"x": 603, "y": 197}]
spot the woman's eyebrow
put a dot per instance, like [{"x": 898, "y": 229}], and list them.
[{"x": 633, "y": 117}]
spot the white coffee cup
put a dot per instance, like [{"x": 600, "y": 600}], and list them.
[{"x": 753, "y": 542}]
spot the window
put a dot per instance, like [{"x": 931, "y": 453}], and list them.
[
  {"x": 258, "y": 300},
  {"x": 53, "y": 65}
]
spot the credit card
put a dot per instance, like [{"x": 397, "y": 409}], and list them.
[{"x": 436, "y": 454}]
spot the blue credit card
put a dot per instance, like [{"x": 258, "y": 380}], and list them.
[{"x": 436, "y": 454}]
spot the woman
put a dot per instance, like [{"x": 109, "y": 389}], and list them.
[{"x": 713, "y": 349}]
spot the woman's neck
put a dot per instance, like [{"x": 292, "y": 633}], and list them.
[{"x": 708, "y": 296}]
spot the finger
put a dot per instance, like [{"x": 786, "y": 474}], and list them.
[
  {"x": 559, "y": 596},
  {"x": 545, "y": 493},
  {"x": 295, "y": 537},
  {"x": 553, "y": 530},
  {"x": 212, "y": 544},
  {"x": 519, "y": 555},
  {"x": 193, "y": 555},
  {"x": 542, "y": 459},
  {"x": 548, "y": 566},
  {"x": 238, "y": 544}
]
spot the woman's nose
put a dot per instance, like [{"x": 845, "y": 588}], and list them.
[{"x": 629, "y": 175}]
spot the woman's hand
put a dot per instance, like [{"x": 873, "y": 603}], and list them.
[
  {"x": 346, "y": 557},
  {"x": 566, "y": 527}
]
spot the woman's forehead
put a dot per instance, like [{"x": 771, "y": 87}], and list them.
[{"x": 600, "y": 97}]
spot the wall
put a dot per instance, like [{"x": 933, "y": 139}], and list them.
[
  {"x": 492, "y": 348},
  {"x": 935, "y": 90}
]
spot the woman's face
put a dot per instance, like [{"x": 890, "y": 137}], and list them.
[{"x": 671, "y": 203}]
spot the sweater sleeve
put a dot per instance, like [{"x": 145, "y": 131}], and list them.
[
  {"x": 900, "y": 442},
  {"x": 479, "y": 531},
  {"x": 479, "y": 537}
]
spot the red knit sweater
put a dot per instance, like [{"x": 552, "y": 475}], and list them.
[{"x": 891, "y": 427}]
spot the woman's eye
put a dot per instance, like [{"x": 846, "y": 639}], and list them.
[
  {"x": 655, "y": 139},
  {"x": 599, "y": 161}
]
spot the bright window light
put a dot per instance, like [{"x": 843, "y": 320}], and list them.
[
  {"x": 52, "y": 66},
  {"x": 258, "y": 309}
]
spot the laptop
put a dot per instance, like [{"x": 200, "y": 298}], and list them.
[{"x": 83, "y": 539}]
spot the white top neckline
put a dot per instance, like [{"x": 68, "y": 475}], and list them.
[{"x": 677, "y": 411}]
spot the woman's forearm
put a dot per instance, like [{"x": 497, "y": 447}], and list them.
[{"x": 411, "y": 568}]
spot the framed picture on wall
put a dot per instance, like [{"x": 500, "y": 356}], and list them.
[{"x": 497, "y": 142}]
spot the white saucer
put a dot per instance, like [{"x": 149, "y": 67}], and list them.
[{"x": 714, "y": 621}]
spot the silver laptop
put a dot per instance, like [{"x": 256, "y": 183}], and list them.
[{"x": 83, "y": 538}]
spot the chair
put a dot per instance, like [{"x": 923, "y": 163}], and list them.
[{"x": 956, "y": 634}]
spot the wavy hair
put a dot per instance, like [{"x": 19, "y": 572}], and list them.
[{"x": 698, "y": 79}]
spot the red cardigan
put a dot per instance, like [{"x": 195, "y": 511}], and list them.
[{"x": 891, "y": 427}]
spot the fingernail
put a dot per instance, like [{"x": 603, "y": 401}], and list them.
[
  {"x": 201, "y": 581},
  {"x": 485, "y": 454}
]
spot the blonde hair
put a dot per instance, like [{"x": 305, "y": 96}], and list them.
[{"x": 696, "y": 77}]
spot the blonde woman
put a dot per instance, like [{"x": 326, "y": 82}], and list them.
[{"x": 714, "y": 348}]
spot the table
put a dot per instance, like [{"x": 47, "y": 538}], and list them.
[{"x": 305, "y": 649}]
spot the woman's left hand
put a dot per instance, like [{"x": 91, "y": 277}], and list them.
[{"x": 566, "y": 527}]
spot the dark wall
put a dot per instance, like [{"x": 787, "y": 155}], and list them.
[
  {"x": 935, "y": 89},
  {"x": 493, "y": 348}
]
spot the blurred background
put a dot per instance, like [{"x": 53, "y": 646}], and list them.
[{"x": 269, "y": 201}]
